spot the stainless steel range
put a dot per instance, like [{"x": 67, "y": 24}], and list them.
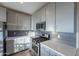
[{"x": 36, "y": 43}]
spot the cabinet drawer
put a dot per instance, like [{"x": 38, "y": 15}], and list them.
[{"x": 52, "y": 53}]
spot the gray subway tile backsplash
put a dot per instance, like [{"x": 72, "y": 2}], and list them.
[
  {"x": 17, "y": 33},
  {"x": 66, "y": 38}
]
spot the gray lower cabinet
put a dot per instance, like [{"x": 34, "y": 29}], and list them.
[
  {"x": 54, "y": 53},
  {"x": 47, "y": 51},
  {"x": 17, "y": 44},
  {"x": 44, "y": 50},
  {"x": 9, "y": 46}
]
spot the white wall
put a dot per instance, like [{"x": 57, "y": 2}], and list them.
[{"x": 65, "y": 17}]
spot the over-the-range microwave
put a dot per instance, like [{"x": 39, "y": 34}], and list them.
[{"x": 41, "y": 26}]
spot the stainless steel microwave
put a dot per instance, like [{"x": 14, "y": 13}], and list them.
[{"x": 41, "y": 26}]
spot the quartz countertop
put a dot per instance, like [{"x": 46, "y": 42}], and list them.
[{"x": 60, "y": 47}]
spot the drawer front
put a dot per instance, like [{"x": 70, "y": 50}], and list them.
[{"x": 54, "y": 53}]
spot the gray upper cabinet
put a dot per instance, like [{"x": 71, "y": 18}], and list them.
[
  {"x": 23, "y": 22},
  {"x": 2, "y": 14},
  {"x": 35, "y": 20},
  {"x": 18, "y": 21},
  {"x": 47, "y": 51},
  {"x": 59, "y": 17},
  {"x": 26, "y": 22},
  {"x": 65, "y": 17},
  {"x": 50, "y": 17},
  {"x": 33, "y": 23},
  {"x": 40, "y": 14},
  {"x": 12, "y": 18},
  {"x": 43, "y": 14},
  {"x": 37, "y": 17}
]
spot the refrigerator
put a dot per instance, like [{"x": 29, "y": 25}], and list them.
[{"x": 3, "y": 36}]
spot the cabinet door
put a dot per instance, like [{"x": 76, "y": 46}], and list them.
[
  {"x": 35, "y": 20},
  {"x": 2, "y": 14},
  {"x": 50, "y": 17},
  {"x": 43, "y": 53},
  {"x": 9, "y": 47},
  {"x": 23, "y": 22},
  {"x": 12, "y": 18},
  {"x": 52, "y": 53},
  {"x": 65, "y": 17},
  {"x": 43, "y": 14},
  {"x": 38, "y": 16},
  {"x": 44, "y": 50},
  {"x": 26, "y": 22},
  {"x": 19, "y": 19},
  {"x": 47, "y": 51}
]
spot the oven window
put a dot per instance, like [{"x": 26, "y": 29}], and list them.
[{"x": 35, "y": 48}]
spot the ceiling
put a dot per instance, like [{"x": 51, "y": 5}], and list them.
[{"x": 26, "y": 7}]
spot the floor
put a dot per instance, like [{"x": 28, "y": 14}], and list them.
[{"x": 23, "y": 53}]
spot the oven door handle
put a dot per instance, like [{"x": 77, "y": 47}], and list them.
[{"x": 35, "y": 44}]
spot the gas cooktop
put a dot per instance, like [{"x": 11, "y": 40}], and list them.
[{"x": 39, "y": 39}]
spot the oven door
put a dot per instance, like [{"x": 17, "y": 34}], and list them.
[{"x": 35, "y": 49}]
